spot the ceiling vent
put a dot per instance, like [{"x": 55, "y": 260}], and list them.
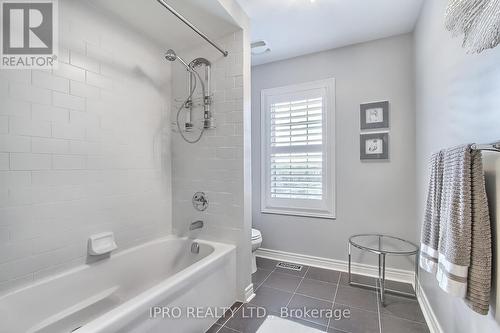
[{"x": 260, "y": 47}]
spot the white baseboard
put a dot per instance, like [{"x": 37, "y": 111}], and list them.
[
  {"x": 249, "y": 294},
  {"x": 429, "y": 314},
  {"x": 338, "y": 265}
]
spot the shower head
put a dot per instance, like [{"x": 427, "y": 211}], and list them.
[{"x": 172, "y": 56}]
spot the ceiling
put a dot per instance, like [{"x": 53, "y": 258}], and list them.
[
  {"x": 296, "y": 27},
  {"x": 156, "y": 22}
]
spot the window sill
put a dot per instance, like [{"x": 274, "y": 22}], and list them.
[{"x": 328, "y": 216}]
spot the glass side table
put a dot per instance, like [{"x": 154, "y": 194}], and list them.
[{"x": 383, "y": 245}]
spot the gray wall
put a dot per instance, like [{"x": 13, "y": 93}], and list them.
[
  {"x": 371, "y": 197},
  {"x": 458, "y": 101}
]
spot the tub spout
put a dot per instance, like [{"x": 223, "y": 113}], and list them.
[
  {"x": 195, "y": 248},
  {"x": 196, "y": 225}
]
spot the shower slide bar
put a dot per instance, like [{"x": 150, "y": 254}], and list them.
[
  {"x": 489, "y": 147},
  {"x": 193, "y": 27}
]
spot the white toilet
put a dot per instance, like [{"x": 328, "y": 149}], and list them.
[{"x": 256, "y": 242}]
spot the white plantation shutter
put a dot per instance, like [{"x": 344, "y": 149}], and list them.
[
  {"x": 297, "y": 160},
  {"x": 296, "y": 156}
]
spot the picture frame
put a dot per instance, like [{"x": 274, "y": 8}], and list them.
[
  {"x": 374, "y": 115},
  {"x": 374, "y": 146}
]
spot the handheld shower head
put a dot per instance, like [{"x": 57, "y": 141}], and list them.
[{"x": 172, "y": 56}]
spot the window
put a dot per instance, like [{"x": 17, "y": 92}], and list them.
[{"x": 297, "y": 153}]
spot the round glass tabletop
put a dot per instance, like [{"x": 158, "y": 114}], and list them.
[{"x": 383, "y": 244}]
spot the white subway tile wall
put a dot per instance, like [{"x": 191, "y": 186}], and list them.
[
  {"x": 215, "y": 164},
  {"x": 84, "y": 148}
]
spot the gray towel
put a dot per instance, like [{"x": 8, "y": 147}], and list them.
[
  {"x": 479, "y": 281},
  {"x": 430, "y": 228},
  {"x": 459, "y": 219}
]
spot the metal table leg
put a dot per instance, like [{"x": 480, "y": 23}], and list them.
[
  {"x": 349, "y": 261},
  {"x": 417, "y": 259},
  {"x": 382, "y": 281}
]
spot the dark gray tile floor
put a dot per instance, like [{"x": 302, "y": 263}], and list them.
[{"x": 280, "y": 292}]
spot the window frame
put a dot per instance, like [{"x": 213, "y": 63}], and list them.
[{"x": 301, "y": 207}]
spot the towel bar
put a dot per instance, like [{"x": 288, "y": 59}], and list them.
[{"x": 489, "y": 147}]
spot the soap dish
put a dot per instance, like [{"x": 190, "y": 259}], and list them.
[{"x": 102, "y": 243}]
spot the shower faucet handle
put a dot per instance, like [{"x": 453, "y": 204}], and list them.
[{"x": 200, "y": 201}]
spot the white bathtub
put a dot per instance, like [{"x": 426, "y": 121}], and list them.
[{"x": 117, "y": 294}]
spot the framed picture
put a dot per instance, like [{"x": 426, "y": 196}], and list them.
[
  {"x": 374, "y": 146},
  {"x": 374, "y": 115}
]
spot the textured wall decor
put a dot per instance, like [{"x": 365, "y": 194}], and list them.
[
  {"x": 477, "y": 20},
  {"x": 374, "y": 115},
  {"x": 374, "y": 146}
]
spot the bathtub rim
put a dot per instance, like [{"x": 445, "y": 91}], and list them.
[
  {"x": 85, "y": 266},
  {"x": 104, "y": 260},
  {"x": 167, "y": 286},
  {"x": 120, "y": 316}
]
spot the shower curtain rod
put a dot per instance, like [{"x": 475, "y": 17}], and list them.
[
  {"x": 193, "y": 27},
  {"x": 489, "y": 147}
]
